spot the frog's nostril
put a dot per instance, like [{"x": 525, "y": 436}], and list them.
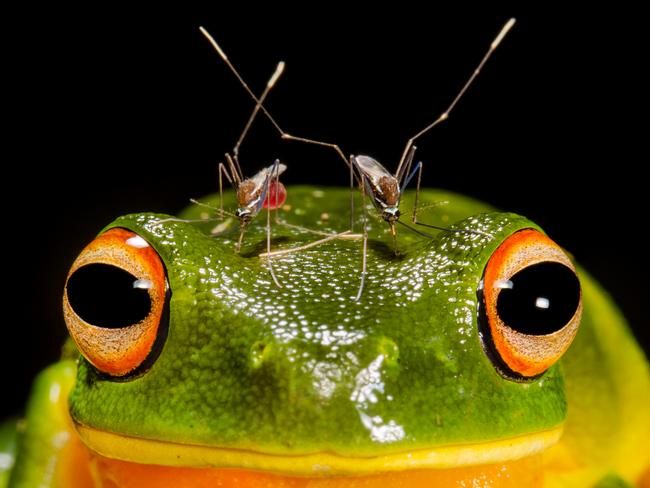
[
  {"x": 259, "y": 353},
  {"x": 387, "y": 348}
]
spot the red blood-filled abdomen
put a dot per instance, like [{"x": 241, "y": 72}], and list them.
[{"x": 275, "y": 196}]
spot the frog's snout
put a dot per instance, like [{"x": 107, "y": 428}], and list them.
[
  {"x": 263, "y": 353},
  {"x": 319, "y": 373}
]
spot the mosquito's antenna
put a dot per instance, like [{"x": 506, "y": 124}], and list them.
[
  {"x": 445, "y": 115},
  {"x": 269, "y": 84}
]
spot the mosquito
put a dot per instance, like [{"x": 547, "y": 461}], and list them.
[
  {"x": 373, "y": 178},
  {"x": 263, "y": 190},
  {"x": 385, "y": 188}
]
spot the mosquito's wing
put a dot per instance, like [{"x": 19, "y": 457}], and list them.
[
  {"x": 281, "y": 169},
  {"x": 262, "y": 175},
  {"x": 379, "y": 183},
  {"x": 262, "y": 180},
  {"x": 370, "y": 169}
]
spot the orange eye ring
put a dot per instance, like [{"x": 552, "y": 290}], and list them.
[
  {"x": 527, "y": 338},
  {"x": 115, "y": 344}
]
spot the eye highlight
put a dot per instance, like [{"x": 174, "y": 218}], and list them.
[
  {"x": 531, "y": 304},
  {"x": 114, "y": 301}
]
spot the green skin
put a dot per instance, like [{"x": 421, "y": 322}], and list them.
[{"x": 252, "y": 366}]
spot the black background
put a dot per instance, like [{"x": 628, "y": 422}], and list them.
[{"x": 116, "y": 111}]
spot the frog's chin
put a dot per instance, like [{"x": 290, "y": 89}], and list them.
[{"x": 154, "y": 452}]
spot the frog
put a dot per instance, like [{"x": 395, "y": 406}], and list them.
[{"x": 479, "y": 358}]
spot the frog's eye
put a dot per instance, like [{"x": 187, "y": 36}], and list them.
[
  {"x": 531, "y": 304},
  {"x": 115, "y": 300}
]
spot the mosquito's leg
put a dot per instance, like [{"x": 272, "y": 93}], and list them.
[
  {"x": 185, "y": 221},
  {"x": 417, "y": 193},
  {"x": 242, "y": 231},
  {"x": 222, "y": 171},
  {"x": 259, "y": 104},
  {"x": 364, "y": 246},
  {"x": 445, "y": 115},
  {"x": 269, "y": 84},
  {"x": 282, "y": 252},
  {"x": 268, "y": 240}
]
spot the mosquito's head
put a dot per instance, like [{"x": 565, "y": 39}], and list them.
[
  {"x": 390, "y": 214},
  {"x": 244, "y": 214}
]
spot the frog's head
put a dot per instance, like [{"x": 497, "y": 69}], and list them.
[{"x": 193, "y": 357}]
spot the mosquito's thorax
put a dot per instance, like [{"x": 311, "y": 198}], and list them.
[
  {"x": 389, "y": 187},
  {"x": 387, "y": 194},
  {"x": 247, "y": 196}
]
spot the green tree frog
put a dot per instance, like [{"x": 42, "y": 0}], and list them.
[{"x": 471, "y": 359}]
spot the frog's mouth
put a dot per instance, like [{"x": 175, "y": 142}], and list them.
[{"x": 118, "y": 452}]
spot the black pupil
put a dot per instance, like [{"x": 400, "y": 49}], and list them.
[
  {"x": 105, "y": 296},
  {"x": 542, "y": 299}
]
